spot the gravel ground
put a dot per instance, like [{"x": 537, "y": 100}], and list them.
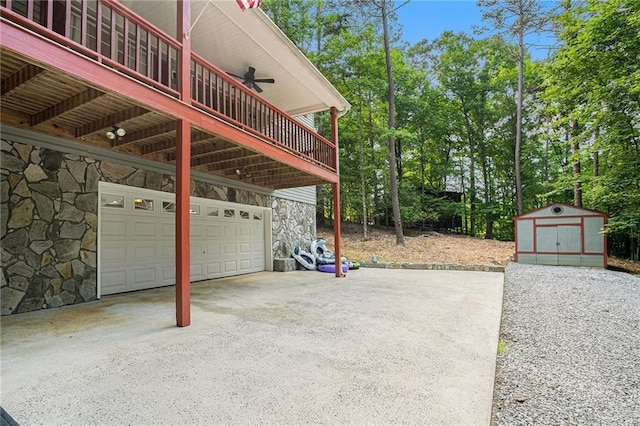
[{"x": 569, "y": 351}]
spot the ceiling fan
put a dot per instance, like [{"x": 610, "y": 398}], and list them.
[{"x": 250, "y": 80}]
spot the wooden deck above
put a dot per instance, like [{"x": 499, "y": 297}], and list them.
[{"x": 55, "y": 80}]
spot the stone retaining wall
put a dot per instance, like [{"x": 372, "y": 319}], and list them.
[
  {"x": 49, "y": 222},
  {"x": 434, "y": 266}
]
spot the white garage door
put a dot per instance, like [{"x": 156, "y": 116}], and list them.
[{"x": 137, "y": 239}]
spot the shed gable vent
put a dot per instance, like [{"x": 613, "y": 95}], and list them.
[{"x": 557, "y": 209}]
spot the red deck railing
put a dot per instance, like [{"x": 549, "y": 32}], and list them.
[{"x": 109, "y": 33}]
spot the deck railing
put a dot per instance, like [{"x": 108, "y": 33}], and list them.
[{"x": 109, "y": 33}]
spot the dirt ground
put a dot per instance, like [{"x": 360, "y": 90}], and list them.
[
  {"x": 433, "y": 247},
  {"x": 424, "y": 247}
]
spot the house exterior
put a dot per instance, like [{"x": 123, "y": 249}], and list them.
[
  {"x": 131, "y": 158},
  {"x": 561, "y": 234}
]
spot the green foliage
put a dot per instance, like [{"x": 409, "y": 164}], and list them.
[{"x": 455, "y": 126}]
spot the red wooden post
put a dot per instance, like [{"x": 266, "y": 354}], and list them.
[
  {"x": 336, "y": 195},
  {"x": 183, "y": 175}
]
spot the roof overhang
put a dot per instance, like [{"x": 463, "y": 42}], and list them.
[{"x": 233, "y": 40}]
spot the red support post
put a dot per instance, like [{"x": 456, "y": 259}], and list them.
[
  {"x": 183, "y": 177},
  {"x": 336, "y": 196},
  {"x": 183, "y": 189}
]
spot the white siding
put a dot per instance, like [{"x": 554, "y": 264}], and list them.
[
  {"x": 307, "y": 120},
  {"x": 304, "y": 194}
]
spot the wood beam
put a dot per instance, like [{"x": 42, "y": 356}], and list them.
[
  {"x": 238, "y": 162},
  {"x": 110, "y": 120},
  {"x": 19, "y": 78},
  {"x": 157, "y": 147},
  {"x": 196, "y": 138},
  {"x": 219, "y": 155},
  {"x": 67, "y": 105},
  {"x": 293, "y": 181},
  {"x": 149, "y": 132}
]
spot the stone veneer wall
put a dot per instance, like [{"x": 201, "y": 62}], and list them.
[{"x": 49, "y": 223}]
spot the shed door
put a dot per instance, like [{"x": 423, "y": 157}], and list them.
[
  {"x": 558, "y": 240},
  {"x": 137, "y": 239}
]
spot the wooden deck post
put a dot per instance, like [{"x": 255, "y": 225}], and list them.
[
  {"x": 183, "y": 176},
  {"x": 336, "y": 195}
]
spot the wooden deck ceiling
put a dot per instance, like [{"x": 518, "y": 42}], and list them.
[{"x": 50, "y": 102}]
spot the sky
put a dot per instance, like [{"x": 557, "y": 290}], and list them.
[{"x": 429, "y": 18}]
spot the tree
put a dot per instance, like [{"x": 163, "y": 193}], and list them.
[
  {"x": 516, "y": 18},
  {"x": 594, "y": 81}
]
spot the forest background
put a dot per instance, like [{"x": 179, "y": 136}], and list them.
[{"x": 466, "y": 131}]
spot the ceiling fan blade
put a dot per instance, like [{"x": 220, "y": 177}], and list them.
[
  {"x": 255, "y": 86},
  {"x": 264, "y": 80}
]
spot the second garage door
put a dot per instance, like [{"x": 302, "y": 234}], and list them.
[{"x": 137, "y": 239}]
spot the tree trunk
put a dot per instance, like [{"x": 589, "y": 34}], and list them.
[
  {"x": 546, "y": 166},
  {"x": 392, "y": 122},
  {"x": 472, "y": 174},
  {"x": 374, "y": 180},
  {"x": 575, "y": 149},
  {"x": 363, "y": 187},
  {"x": 518, "y": 147}
]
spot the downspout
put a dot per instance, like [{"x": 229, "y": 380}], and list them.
[
  {"x": 336, "y": 194},
  {"x": 183, "y": 173}
]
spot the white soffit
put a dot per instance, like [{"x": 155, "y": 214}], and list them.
[{"x": 233, "y": 40}]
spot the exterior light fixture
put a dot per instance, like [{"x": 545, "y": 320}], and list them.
[
  {"x": 243, "y": 172},
  {"x": 116, "y": 132}
]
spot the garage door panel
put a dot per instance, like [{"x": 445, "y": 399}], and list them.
[
  {"x": 137, "y": 248},
  {"x": 113, "y": 227},
  {"x": 213, "y": 269},
  {"x": 143, "y": 252},
  {"x": 167, "y": 229},
  {"x": 142, "y": 277},
  {"x": 230, "y": 266},
  {"x": 168, "y": 274},
  {"x": 196, "y": 272},
  {"x": 143, "y": 228},
  {"x": 229, "y": 230},
  {"x": 167, "y": 250},
  {"x": 245, "y": 230},
  {"x": 112, "y": 252},
  {"x": 212, "y": 231},
  {"x": 230, "y": 249},
  {"x": 113, "y": 281},
  {"x": 244, "y": 248},
  {"x": 213, "y": 249},
  {"x": 245, "y": 265}
]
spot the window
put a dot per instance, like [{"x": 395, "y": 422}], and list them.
[
  {"x": 194, "y": 209},
  {"x": 244, "y": 214},
  {"x": 112, "y": 201},
  {"x": 213, "y": 211},
  {"x": 168, "y": 207},
  {"x": 143, "y": 204},
  {"x": 257, "y": 215},
  {"x": 229, "y": 213}
]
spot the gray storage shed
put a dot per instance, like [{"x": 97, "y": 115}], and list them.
[{"x": 561, "y": 234}]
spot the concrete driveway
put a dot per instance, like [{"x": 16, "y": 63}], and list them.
[{"x": 379, "y": 346}]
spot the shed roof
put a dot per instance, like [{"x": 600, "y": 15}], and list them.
[{"x": 564, "y": 210}]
